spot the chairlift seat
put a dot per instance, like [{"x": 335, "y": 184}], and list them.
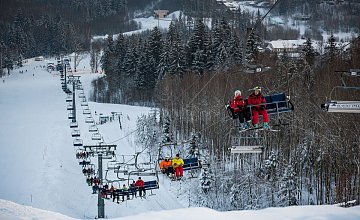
[
  {"x": 191, "y": 163},
  {"x": 89, "y": 120},
  {"x": 246, "y": 150},
  {"x": 342, "y": 106},
  {"x": 86, "y": 112},
  {"x": 70, "y": 107},
  {"x": 84, "y": 163},
  {"x": 71, "y": 115},
  {"x": 84, "y": 104},
  {"x": 93, "y": 128},
  {"x": 73, "y": 124},
  {"x": 152, "y": 184},
  {"x": 96, "y": 136},
  {"x": 278, "y": 103},
  {"x": 75, "y": 133},
  {"x": 78, "y": 142}
]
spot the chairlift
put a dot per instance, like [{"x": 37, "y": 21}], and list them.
[
  {"x": 75, "y": 133},
  {"x": 81, "y": 154},
  {"x": 89, "y": 120},
  {"x": 86, "y": 112},
  {"x": 77, "y": 142},
  {"x": 70, "y": 107},
  {"x": 69, "y": 98},
  {"x": 247, "y": 144},
  {"x": 71, "y": 115},
  {"x": 80, "y": 88},
  {"x": 96, "y": 136},
  {"x": 84, "y": 103},
  {"x": 73, "y": 124},
  {"x": 93, "y": 128},
  {"x": 276, "y": 104},
  {"x": 343, "y": 106},
  {"x": 81, "y": 95}
]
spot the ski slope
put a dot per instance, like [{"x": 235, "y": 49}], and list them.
[{"x": 39, "y": 167}]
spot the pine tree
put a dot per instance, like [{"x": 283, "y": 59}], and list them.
[
  {"x": 193, "y": 148},
  {"x": 167, "y": 136},
  {"x": 331, "y": 49},
  {"x": 206, "y": 180},
  {"x": 309, "y": 52},
  {"x": 288, "y": 190},
  {"x": 252, "y": 44}
]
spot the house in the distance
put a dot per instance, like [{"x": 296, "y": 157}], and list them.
[
  {"x": 292, "y": 47},
  {"x": 161, "y": 13}
]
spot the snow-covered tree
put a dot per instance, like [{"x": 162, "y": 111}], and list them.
[{"x": 288, "y": 187}]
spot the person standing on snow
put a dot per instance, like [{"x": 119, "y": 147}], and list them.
[
  {"x": 239, "y": 110},
  {"x": 258, "y": 102}
]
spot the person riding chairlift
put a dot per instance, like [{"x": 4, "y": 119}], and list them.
[
  {"x": 239, "y": 110},
  {"x": 166, "y": 166},
  {"x": 259, "y": 108}
]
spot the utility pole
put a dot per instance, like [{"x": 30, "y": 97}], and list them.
[{"x": 103, "y": 152}]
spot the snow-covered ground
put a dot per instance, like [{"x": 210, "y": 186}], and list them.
[{"x": 38, "y": 161}]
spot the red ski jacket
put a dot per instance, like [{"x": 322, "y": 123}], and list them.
[
  {"x": 238, "y": 104},
  {"x": 257, "y": 100},
  {"x": 140, "y": 183}
]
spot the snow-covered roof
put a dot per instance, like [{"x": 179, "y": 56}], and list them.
[{"x": 282, "y": 44}]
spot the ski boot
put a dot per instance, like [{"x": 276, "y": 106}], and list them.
[
  {"x": 266, "y": 126},
  {"x": 245, "y": 126}
]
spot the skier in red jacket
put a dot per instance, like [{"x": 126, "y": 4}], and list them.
[
  {"x": 141, "y": 186},
  {"x": 239, "y": 110},
  {"x": 259, "y": 107}
]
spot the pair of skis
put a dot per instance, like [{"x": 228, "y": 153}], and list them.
[{"x": 257, "y": 129}]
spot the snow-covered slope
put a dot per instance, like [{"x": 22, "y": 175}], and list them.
[{"x": 38, "y": 161}]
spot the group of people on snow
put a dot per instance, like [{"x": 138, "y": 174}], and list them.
[
  {"x": 239, "y": 108},
  {"x": 172, "y": 167}
]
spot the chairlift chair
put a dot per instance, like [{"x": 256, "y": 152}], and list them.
[
  {"x": 342, "y": 106},
  {"x": 84, "y": 103},
  {"x": 247, "y": 144},
  {"x": 96, "y": 136},
  {"x": 77, "y": 142},
  {"x": 71, "y": 115},
  {"x": 69, "y": 98},
  {"x": 93, "y": 128},
  {"x": 73, "y": 124},
  {"x": 89, "y": 120},
  {"x": 86, "y": 112},
  {"x": 70, "y": 107},
  {"x": 75, "y": 133}
]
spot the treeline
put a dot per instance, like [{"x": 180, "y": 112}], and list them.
[
  {"x": 313, "y": 159},
  {"x": 136, "y": 65},
  {"x": 40, "y": 27}
]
